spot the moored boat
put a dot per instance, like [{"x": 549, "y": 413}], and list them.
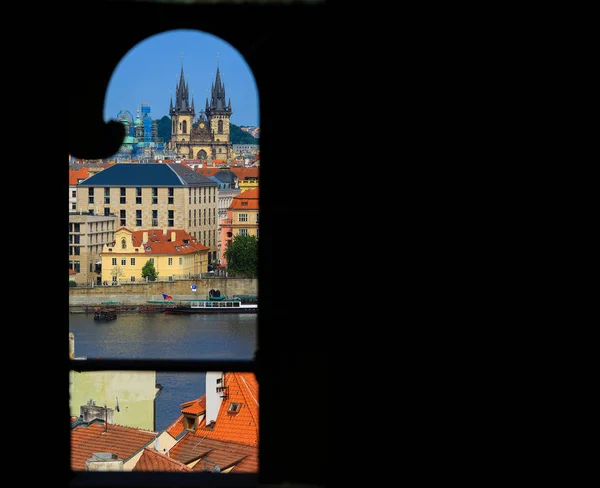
[
  {"x": 225, "y": 305},
  {"x": 105, "y": 315}
]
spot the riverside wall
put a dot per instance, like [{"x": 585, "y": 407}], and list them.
[{"x": 137, "y": 294}]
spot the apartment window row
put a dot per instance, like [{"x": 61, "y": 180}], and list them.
[
  {"x": 138, "y": 196},
  {"x": 200, "y": 194}
]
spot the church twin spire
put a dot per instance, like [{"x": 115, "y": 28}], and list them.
[
  {"x": 217, "y": 99},
  {"x": 182, "y": 97}
]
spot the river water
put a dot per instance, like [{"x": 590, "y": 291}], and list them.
[{"x": 136, "y": 335}]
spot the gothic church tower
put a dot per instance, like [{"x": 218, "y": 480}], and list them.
[
  {"x": 182, "y": 118},
  {"x": 209, "y": 136},
  {"x": 218, "y": 113}
]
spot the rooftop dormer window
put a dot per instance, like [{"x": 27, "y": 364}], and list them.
[{"x": 234, "y": 407}]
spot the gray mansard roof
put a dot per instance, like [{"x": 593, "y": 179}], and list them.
[{"x": 147, "y": 174}]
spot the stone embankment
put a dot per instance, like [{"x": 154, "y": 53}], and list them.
[{"x": 140, "y": 294}]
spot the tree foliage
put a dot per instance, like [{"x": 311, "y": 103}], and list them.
[
  {"x": 163, "y": 129},
  {"x": 242, "y": 256},
  {"x": 238, "y": 136},
  {"x": 149, "y": 271}
]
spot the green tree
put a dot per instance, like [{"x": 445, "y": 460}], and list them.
[
  {"x": 238, "y": 136},
  {"x": 242, "y": 256},
  {"x": 163, "y": 128},
  {"x": 149, "y": 271}
]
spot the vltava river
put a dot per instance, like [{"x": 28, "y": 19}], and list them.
[{"x": 137, "y": 335}]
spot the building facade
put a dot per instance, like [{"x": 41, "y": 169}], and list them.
[
  {"x": 174, "y": 254},
  {"x": 155, "y": 196},
  {"x": 205, "y": 135},
  {"x": 242, "y": 218},
  {"x": 88, "y": 233}
]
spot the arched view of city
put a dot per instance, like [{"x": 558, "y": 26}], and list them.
[{"x": 163, "y": 264}]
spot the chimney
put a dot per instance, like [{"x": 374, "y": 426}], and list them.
[
  {"x": 145, "y": 237},
  {"x": 173, "y": 236},
  {"x": 213, "y": 396},
  {"x": 91, "y": 412},
  {"x": 104, "y": 461}
]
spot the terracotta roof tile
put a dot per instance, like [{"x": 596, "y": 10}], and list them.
[
  {"x": 160, "y": 242},
  {"x": 243, "y": 459},
  {"x": 88, "y": 439},
  {"x": 152, "y": 460},
  {"x": 241, "y": 427}
]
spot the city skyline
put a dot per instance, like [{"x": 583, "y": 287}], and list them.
[{"x": 150, "y": 71}]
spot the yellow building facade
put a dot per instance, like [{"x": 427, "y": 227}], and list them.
[{"x": 173, "y": 253}]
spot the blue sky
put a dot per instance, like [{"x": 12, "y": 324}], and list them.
[{"x": 149, "y": 73}]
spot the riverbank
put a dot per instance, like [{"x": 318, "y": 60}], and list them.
[{"x": 143, "y": 294}]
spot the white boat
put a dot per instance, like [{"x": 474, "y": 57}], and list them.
[{"x": 214, "y": 305}]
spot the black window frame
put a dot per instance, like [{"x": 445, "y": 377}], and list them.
[{"x": 278, "y": 359}]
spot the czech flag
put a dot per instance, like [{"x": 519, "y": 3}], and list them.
[{"x": 167, "y": 297}]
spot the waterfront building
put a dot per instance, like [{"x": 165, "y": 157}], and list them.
[
  {"x": 88, "y": 233},
  {"x": 155, "y": 196},
  {"x": 174, "y": 254}
]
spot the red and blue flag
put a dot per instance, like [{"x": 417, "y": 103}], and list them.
[{"x": 167, "y": 297}]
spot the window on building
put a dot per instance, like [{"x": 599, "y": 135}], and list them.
[
  {"x": 122, "y": 220},
  {"x": 171, "y": 219},
  {"x": 243, "y": 232},
  {"x": 138, "y": 218},
  {"x": 171, "y": 194},
  {"x": 170, "y": 261},
  {"x": 154, "y": 218},
  {"x": 180, "y": 261},
  {"x": 77, "y": 266},
  {"x": 132, "y": 261},
  {"x": 242, "y": 217},
  {"x": 123, "y": 262},
  {"x": 114, "y": 261},
  {"x": 106, "y": 211}
]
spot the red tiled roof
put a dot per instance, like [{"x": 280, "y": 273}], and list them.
[
  {"x": 241, "y": 427},
  {"x": 152, "y": 460},
  {"x": 161, "y": 242},
  {"x": 246, "y": 200},
  {"x": 243, "y": 459},
  {"x": 88, "y": 439},
  {"x": 243, "y": 172},
  {"x": 75, "y": 175}
]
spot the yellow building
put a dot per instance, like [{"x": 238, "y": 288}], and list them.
[{"x": 174, "y": 254}]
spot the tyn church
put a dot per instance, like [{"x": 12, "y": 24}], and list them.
[{"x": 206, "y": 137}]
